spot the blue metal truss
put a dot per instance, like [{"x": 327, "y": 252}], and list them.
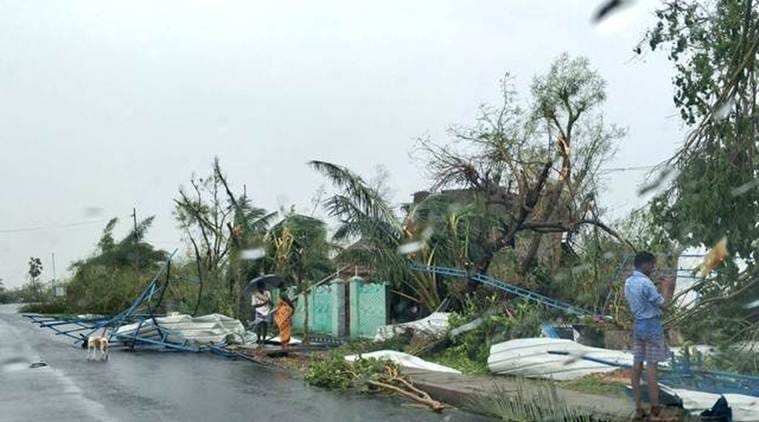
[
  {"x": 140, "y": 312},
  {"x": 506, "y": 287},
  {"x": 682, "y": 373}
]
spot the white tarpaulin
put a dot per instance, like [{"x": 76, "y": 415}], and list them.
[
  {"x": 404, "y": 360},
  {"x": 205, "y": 329},
  {"x": 434, "y": 324}
]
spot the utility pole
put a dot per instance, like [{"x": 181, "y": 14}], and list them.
[
  {"x": 54, "y": 284},
  {"x": 134, "y": 218},
  {"x": 53, "y": 254}
]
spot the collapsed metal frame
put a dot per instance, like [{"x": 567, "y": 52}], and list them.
[
  {"x": 682, "y": 373},
  {"x": 508, "y": 288},
  {"x": 140, "y": 311}
]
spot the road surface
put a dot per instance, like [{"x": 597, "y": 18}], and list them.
[{"x": 145, "y": 386}]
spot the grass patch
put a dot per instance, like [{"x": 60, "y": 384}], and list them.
[
  {"x": 55, "y": 307},
  {"x": 596, "y": 384},
  {"x": 533, "y": 402},
  {"x": 456, "y": 360}
]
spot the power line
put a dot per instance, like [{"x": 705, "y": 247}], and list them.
[
  {"x": 621, "y": 169},
  {"x": 54, "y": 226}
]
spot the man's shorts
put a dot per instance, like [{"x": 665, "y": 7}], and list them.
[
  {"x": 648, "y": 341},
  {"x": 259, "y": 318}
]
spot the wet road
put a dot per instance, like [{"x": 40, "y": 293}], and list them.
[{"x": 165, "y": 387}]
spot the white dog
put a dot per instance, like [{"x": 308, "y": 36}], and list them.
[{"x": 96, "y": 345}]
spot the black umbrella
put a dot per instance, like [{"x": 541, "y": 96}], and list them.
[{"x": 269, "y": 281}]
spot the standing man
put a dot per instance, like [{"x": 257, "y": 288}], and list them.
[
  {"x": 262, "y": 304},
  {"x": 646, "y": 305}
]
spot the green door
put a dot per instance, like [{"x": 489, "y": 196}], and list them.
[{"x": 368, "y": 307}]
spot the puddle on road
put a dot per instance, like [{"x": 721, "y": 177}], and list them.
[
  {"x": 14, "y": 364},
  {"x": 19, "y": 363}
]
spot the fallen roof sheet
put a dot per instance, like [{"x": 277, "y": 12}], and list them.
[
  {"x": 404, "y": 360},
  {"x": 206, "y": 329},
  {"x": 529, "y": 357},
  {"x": 434, "y": 324}
]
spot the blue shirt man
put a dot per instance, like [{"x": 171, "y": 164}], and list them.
[
  {"x": 646, "y": 304},
  {"x": 644, "y": 300}
]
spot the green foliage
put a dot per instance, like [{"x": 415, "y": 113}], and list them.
[
  {"x": 738, "y": 359},
  {"x": 27, "y": 293},
  {"x": 102, "y": 290},
  {"x": 8, "y": 296},
  {"x": 131, "y": 251},
  {"x": 300, "y": 248},
  {"x": 107, "y": 281},
  {"x": 366, "y": 217},
  {"x": 335, "y": 372},
  {"x": 35, "y": 268},
  {"x": 713, "y": 47},
  {"x": 454, "y": 357},
  {"x": 55, "y": 306},
  {"x": 469, "y": 350},
  {"x": 365, "y": 345},
  {"x": 504, "y": 179}
]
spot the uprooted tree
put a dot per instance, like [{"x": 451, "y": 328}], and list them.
[
  {"x": 532, "y": 172},
  {"x": 522, "y": 175}
]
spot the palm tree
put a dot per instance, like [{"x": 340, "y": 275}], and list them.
[{"x": 433, "y": 232}]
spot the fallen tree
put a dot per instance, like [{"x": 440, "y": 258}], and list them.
[{"x": 367, "y": 375}]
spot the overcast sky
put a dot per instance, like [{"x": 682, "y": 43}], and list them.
[{"x": 107, "y": 106}]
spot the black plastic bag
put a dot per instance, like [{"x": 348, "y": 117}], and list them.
[{"x": 719, "y": 412}]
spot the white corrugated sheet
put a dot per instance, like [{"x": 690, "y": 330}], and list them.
[
  {"x": 529, "y": 357},
  {"x": 434, "y": 324},
  {"x": 404, "y": 360},
  {"x": 205, "y": 329}
]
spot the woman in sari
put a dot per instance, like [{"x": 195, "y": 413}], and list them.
[{"x": 283, "y": 317}]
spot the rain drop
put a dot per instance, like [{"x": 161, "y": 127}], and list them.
[
  {"x": 740, "y": 190},
  {"x": 93, "y": 211},
  {"x": 724, "y": 109},
  {"x": 409, "y": 247},
  {"x": 662, "y": 180},
  {"x": 252, "y": 254}
]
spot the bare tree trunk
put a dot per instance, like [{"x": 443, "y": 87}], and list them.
[{"x": 551, "y": 213}]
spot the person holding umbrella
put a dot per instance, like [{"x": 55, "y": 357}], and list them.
[{"x": 262, "y": 306}]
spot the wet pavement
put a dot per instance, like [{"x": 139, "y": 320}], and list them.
[{"x": 139, "y": 386}]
